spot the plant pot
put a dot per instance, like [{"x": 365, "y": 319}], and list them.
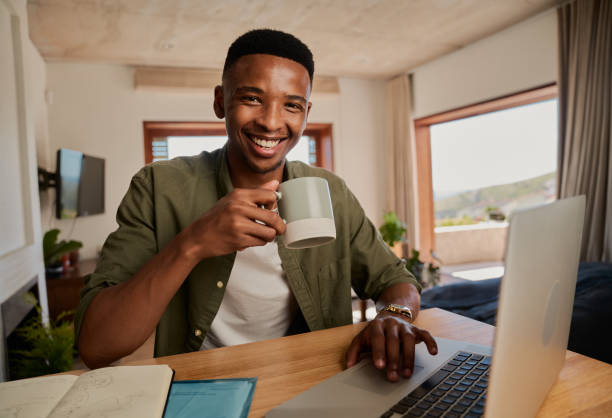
[
  {"x": 54, "y": 271},
  {"x": 398, "y": 249}
]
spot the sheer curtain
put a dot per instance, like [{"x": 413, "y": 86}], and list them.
[
  {"x": 400, "y": 174},
  {"x": 585, "y": 118}
]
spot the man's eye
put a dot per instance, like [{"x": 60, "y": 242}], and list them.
[
  {"x": 251, "y": 99},
  {"x": 294, "y": 106}
]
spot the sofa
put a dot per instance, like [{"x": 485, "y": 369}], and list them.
[{"x": 591, "y": 326}]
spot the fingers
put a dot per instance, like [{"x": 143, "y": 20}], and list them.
[
  {"x": 352, "y": 354},
  {"x": 271, "y": 185},
  {"x": 392, "y": 344},
  {"x": 256, "y": 197},
  {"x": 377, "y": 344},
  {"x": 407, "y": 354},
  {"x": 269, "y": 218},
  {"x": 429, "y": 341},
  {"x": 393, "y": 352},
  {"x": 251, "y": 241}
]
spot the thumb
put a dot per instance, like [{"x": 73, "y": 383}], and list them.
[{"x": 271, "y": 185}]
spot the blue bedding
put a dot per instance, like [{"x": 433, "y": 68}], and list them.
[{"x": 591, "y": 327}]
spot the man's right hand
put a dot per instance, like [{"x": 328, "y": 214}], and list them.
[{"x": 230, "y": 225}]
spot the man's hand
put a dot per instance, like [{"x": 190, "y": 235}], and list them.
[
  {"x": 231, "y": 224},
  {"x": 391, "y": 339}
]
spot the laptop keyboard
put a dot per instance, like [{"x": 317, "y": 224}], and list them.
[{"x": 458, "y": 389}]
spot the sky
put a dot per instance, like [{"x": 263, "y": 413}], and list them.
[{"x": 495, "y": 148}]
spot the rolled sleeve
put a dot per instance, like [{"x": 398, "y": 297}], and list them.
[
  {"x": 128, "y": 248},
  {"x": 374, "y": 267}
]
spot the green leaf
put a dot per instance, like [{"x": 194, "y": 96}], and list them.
[
  {"x": 42, "y": 349},
  {"x": 64, "y": 248},
  {"x": 49, "y": 241},
  {"x": 53, "y": 250},
  {"x": 392, "y": 229}
]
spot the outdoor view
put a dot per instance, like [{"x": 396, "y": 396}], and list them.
[{"x": 485, "y": 166}]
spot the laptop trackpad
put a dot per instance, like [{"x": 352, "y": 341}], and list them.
[{"x": 371, "y": 379}]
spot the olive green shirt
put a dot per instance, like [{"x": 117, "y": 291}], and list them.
[{"x": 167, "y": 196}]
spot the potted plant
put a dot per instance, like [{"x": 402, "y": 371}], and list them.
[
  {"x": 53, "y": 251},
  {"x": 392, "y": 231},
  {"x": 495, "y": 214},
  {"x": 38, "y": 349},
  {"x": 427, "y": 275}
]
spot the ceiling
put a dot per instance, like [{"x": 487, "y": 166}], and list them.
[{"x": 362, "y": 38}]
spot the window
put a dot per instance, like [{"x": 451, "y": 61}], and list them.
[
  {"x": 165, "y": 140},
  {"x": 475, "y": 163},
  {"x": 485, "y": 166}
]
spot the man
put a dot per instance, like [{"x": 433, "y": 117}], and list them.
[{"x": 189, "y": 258}]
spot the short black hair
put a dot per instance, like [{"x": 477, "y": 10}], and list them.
[{"x": 271, "y": 42}]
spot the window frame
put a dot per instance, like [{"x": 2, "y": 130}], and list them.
[
  {"x": 426, "y": 218},
  {"x": 320, "y": 132}
]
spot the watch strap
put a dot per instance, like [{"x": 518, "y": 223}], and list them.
[{"x": 399, "y": 309}]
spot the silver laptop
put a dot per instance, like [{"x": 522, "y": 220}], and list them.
[{"x": 533, "y": 321}]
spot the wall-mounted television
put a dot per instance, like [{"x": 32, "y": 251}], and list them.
[{"x": 80, "y": 184}]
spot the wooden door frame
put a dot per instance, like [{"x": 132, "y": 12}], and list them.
[{"x": 423, "y": 150}]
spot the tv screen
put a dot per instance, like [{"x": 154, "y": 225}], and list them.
[{"x": 80, "y": 184}]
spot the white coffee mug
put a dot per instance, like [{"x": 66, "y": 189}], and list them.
[{"x": 306, "y": 207}]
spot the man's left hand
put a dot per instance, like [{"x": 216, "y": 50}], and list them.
[{"x": 391, "y": 339}]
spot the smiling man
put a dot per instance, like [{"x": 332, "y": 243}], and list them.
[{"x": 190, "y": 261}]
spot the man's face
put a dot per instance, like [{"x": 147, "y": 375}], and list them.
[{"x": 264, "y": 100}]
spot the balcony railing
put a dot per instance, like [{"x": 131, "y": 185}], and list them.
[{"x": 471, "y": 243}]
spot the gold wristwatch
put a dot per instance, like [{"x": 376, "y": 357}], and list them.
[{"x": 399, "y": 309}]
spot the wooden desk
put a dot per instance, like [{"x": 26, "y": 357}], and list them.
[{"x": 287, "y": 366}]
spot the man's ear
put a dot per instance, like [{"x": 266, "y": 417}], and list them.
[{"x": 218, "y": 104}]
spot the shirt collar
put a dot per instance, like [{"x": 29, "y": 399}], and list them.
[{"x": 224, "y": 180}]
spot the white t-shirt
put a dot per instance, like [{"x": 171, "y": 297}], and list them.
[{"x": 257, "y": 304}]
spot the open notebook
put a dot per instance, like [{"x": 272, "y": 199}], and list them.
[{"x": 122, "y": 391}]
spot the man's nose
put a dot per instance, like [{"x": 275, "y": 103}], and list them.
[{"x": 270, "y": 117}]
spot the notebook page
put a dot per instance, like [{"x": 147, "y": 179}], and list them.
[
  {"x": 33, "y": 398},
  {"x": 122, "y": 391}
]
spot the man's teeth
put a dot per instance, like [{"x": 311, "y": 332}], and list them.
[{"x": 265, "y": 143}]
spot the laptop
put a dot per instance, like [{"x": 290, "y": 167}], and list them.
[{"x": 464, "y": 379}]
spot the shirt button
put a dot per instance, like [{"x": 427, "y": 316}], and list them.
[
  {"x": 197, "y": 332},
  {"x": 219, "y": 284}
]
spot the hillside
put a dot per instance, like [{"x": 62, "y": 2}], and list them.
[{"x": 507, "y": 197}]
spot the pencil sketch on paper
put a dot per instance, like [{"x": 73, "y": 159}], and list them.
[
  {"x": 32, "y": 397},
  {"x": 103, "y": 393},
  {"x": 117, "y": 392}
]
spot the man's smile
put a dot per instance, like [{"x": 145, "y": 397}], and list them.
[{"x": 267, "y": 143}]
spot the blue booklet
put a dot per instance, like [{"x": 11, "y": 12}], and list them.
[{"x": 229, "y": 398}]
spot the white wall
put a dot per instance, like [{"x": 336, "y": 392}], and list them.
[
  {"x": 359, "y": 147},
  {"x": 97, "y": 111},
  {"x": 515, "y": 59}
]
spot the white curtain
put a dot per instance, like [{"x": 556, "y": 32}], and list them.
[{"x": 400, "y": 155}]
